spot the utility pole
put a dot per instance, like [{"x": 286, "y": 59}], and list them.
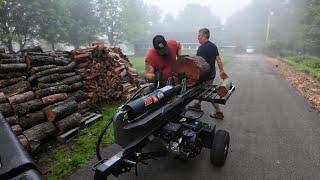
[{"x": 268, "y": 25}]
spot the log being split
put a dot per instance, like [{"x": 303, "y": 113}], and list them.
[
  {"x": 196, "y": 70},
  {"x": 48, "y": 100},
  {"x": 9, "y": 82},
  {"x": 69, "y": 122},
  {"x": 29, "y": 120},
  {"x": 27, "y": 107},
  {"x": 55, "y": 77},
  {"x": 21, "y": 98},
  {"x": 61, "y": 110},
  {"x": 13, "y": 67},
  {"x": 38, "y": 133},
  {"x": 78, "y": 96},
  {"x": 72, "y": 80},
  {"x": 3, "y": 98},
  {"x": 5, "y": 109},
  {"x": 41, "y": 68},
  {"x": 17, "y": 130},
  {"x": 23, "y": 140},
  {"x": 224, "y": 87},
  {"x": 59, "y": 69},
  {"x": 52, "y": 90},
  {"x": 17, "y": 88}
]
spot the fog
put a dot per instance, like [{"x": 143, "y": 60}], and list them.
[{"x": 275, "y": 26}]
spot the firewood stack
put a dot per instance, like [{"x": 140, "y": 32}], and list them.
[
  {"x": 40, "y": 95},
  {"x": 107, "y": 73}
]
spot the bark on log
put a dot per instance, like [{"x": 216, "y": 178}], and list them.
[
  {"x": 48, "y": 100},
  {"x": 6, "y": 109},
  {"x": 224, "y": 87},
  {"x": 61, "y": 111},
  {"x": 47, "y": 85},
  {"x": 41, "y": 68},
  {"x": 52, "y": 90},
  {"x": 78, "y": 96},
  {"x": 12, "y": 75},
  {"x": 47, "y": 60},
  {"x": 37, "y": 49},
  {"x": 17, "y": 130},
  {"x": 5, "y": 83},
  {"x": 12, "y": 120},
  {"x": 60, "y": 69},
  {"x": 196, "y": 69},
  {"x": 55, "y": 77},
  {"x": 29, "y": 120},
  {"x": 3, "y": 98},
  {"x": 84, "y": 104},
  {"x": 13, "y": 67},
  {"x": 38, "y": 133},
  {"x": 6, "y": 56},
  {"x": 23, "y": 140},
  {"x": 68, "y": 123},
  {"x": 17, "y": 88},
  {"x": 16, "y": 60},
  {"x": 77, "y": 86},
  {"x": 27, "y": 107},
  {"x": 72, "y": 80},
  {"x": 21, "y": 98}
]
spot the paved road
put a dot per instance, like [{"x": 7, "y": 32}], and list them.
[{"x": 275, "y": 133}]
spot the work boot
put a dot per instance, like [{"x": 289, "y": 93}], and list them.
[{"x": 217, "y": 115}]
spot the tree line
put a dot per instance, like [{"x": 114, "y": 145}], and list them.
[{"x": 73, "y": 22}]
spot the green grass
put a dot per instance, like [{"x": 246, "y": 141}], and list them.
[
  {"x": 307, "y": 64},
  {"x": 67, "y": 160},
  {"x": 138, "y": 63}
]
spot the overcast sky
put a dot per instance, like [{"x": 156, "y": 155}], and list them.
[{"x": 221, "y": 8}]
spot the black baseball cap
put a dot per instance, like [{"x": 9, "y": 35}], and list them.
[{"x": 160, "y": 44}]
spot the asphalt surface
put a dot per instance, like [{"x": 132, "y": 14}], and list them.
[{"x": 275, "y": 133}]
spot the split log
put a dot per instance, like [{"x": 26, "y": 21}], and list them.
[
  {"x": 17, "y": 130},
  {"x": 16, "y": 60},
  {"x": 12, "y": 120},
  {"x": 29, "y": 120},
  {"x": 27, "y": 107},
  {"x": 38, "y": 133},
  {"x": 195, "y": 68},
  {"x": 17, "y": 88},
  {"x": 41, "y": 68},
  {"x": 24, "y": 142},
  {"x": 69, "y": 122},
  {"x": 77, "y": 86},
  {"x": 21, "y": 98},
  {"x": 48, "y": 100},
  {"x": 3, "y": 98},
  {"x": 52, "y": 90},
  {"x": 61, "y": 111},
  {"x": 84, "y": 56},
  {"x": 13, "y": 67},
  {"x": 78, "y": 96},
  {"x": 12, "y": 75},
  {"x": 5, "y": 109},
  {"x": 55, "y": 77},
  {"x": 72, "y": 80},
  {"x": 5, "y": 83},
  {"x": 47, "y": 60},
  {"x": 59, "y": 69},
  {"x": 84, "y": 104},
  {"x": 224, "y": 87},
  {"x": 47, "y": 85}
]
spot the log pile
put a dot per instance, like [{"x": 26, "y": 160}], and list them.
[
  {"x": 108, "y": 74},
  {"x": 46, "y": 94}
]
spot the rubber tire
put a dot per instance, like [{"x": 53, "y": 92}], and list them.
[{"x": 218, "y": 154}]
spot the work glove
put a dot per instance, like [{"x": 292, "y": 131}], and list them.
[{"x": 223, "y": 75}]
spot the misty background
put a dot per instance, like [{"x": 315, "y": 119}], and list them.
[{"x": 271, "y": 26}]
